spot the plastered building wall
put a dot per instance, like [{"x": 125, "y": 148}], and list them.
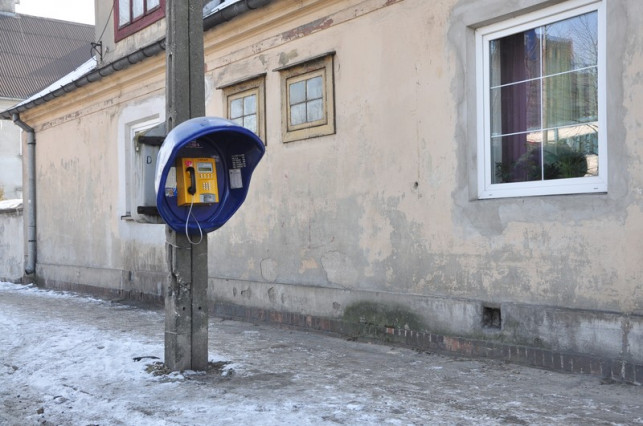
[
  {"x": 11, "y": 241},
  {"x": 385, "y": 209},
  {"x": 10, "y": 155}
]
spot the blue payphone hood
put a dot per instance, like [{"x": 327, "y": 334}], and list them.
[{"x": 237, "y": 151}]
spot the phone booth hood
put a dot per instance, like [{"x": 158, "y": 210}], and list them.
[{"x": 236, "y": 151}]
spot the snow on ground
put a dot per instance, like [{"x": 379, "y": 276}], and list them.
[{"x": 70, "y": 360}]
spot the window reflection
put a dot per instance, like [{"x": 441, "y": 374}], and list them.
[
  {"x": 544, "y": 102},
  {"x": 559, "y": 153},
  {"x": 123, "y": 9},
  {"x": 243, "y": 111}
]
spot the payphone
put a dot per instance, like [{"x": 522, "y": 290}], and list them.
[
  {"x": 203, "y": 173},
  {"x": 196, "y": 181}
]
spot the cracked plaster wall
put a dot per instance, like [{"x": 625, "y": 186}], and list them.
[
  {"x": 384, "y": 209},
  {"x": 388, "y": 202}
]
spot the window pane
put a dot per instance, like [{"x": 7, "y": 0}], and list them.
[
  {"x": 236, "y": 108},
  {"x": 298, "y": 114},
  {"x": 238, "y": 121},
  {"x": 571, "y": 152},
  {"x": 515, "y": 58},
  {"x": 515, "y": 158},
  {"x": 583, "y": 138},
  {"x": 137, "y": 8},
  {"x": 562, "y": 162},
  {"x": 315, "y": 110},
  {"x": 570, "y": 98},
  {"x": 151, "y": 4},
  {"x": 297, "y": 92},
  {"x": 515, "y": 108},
  {"x": 314, "y": 88},
  {"x": 571, "y": 44},
  {"x": 250, "y": 104},
  {"x": 250, "y": 122},
  {"x": 123, "y": 12}
]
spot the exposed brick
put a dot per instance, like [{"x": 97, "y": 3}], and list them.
[
  {"x": 638, "y": 372},
  {"x": 276, "y": 317},
  {"x": 515, "y": 355},
  {"x": 427, "y": 340},
  {"x": 629, "y": 372},
  {"x": 617, "y": 370},
  {"x": 335, "y": 326},
  {"x": 532, "y": 356},
  {"x": 557, "y": 361},
  {"x": 326, "y": 324},
  {"x": 461, "y": 346},
  {"x": 568, "y": 363},
  {"x": 581, "y": 365},
  {"x": 606, "y": 368},
  {"x": 548, "y": 359},
  {"x": 595, "y": 367}
]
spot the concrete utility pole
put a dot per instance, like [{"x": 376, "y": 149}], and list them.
[{"x": 186, "y": 305}]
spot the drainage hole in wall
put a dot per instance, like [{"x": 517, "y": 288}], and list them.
[{"x": 491, "y": 318}]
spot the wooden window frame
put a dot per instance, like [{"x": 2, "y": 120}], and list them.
[
  {"x": 254, "y": 85},
  {"x": 319, "y": 66},
  {"x": 145, "y": 20}
]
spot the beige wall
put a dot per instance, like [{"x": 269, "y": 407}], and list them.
[
  {"x": 104, "y": 31},
  {"x": 81, "y": 215},
  {"x": 345, "y": 210},
  {"x": 384, "y": 209}
]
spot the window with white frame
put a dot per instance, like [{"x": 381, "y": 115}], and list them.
[
  {"x": 541, "y": 117},
  {"x": 308, "y": 99},
  {"x": 245, "y": 104}
]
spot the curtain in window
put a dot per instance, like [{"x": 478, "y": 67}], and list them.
[
  {"x": 544, "y": 102},
  {"x": 515, "y": 112}
]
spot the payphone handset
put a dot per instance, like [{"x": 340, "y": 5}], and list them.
[{"x": 196, "y": 181}]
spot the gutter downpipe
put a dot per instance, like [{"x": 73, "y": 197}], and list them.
[{"x": 30, "y": 263}]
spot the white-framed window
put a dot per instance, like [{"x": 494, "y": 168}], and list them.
[
  {"x": 135, "y": 171},
  {"x": 541, "y": 103},
  {"x": 244, "y": 104},
  {"x": 307, "y": 91},
  {"x": 137, "y": 161}
]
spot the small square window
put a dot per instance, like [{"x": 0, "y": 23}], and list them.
[
  {"x": 540, "y": 103},
  {"x": 244, "y": 104},
  {"x": 308, "y": 99}
]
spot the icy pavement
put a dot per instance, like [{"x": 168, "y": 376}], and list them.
[{"x": 69, "y": 360}]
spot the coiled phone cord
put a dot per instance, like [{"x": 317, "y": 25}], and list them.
[{"x": 187, "y": 234}]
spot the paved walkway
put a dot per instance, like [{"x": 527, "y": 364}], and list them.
[{"x": 70, "y": 360}]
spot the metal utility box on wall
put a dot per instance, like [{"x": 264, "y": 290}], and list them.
[
  {"x": 146, "y": 148},
  {"x": 228, "y": 154}
]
